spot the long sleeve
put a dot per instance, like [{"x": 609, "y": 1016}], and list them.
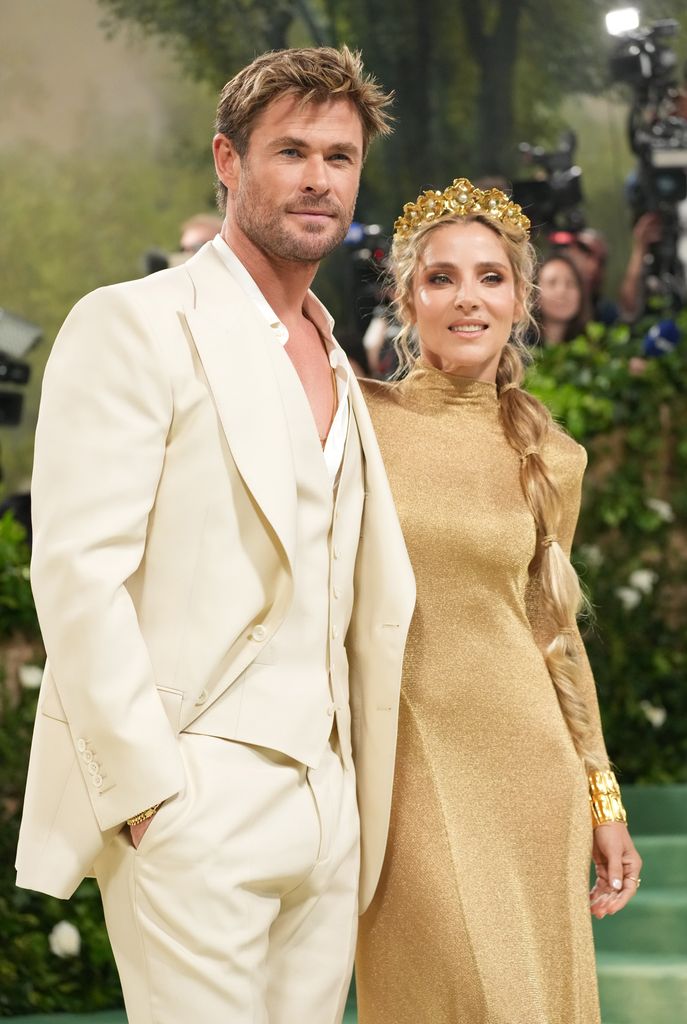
[
  {"x": 100, "y": 444},
  {"x": 568, "y": 461}
]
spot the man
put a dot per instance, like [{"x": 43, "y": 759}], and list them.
[{"x": 209, "y": 498}]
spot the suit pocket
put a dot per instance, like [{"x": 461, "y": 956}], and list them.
[
  {"x": 50, "y": 703},
  {"x": 171, "y": 702}
]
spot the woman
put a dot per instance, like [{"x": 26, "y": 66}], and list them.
[
  {"x": 561, "y": 308},
  {"x": 482, "y": 912}
]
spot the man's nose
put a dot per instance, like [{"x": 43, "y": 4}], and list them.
[{"x": 315, "y": 177}]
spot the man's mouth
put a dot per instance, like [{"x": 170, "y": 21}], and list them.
[{"x": 313, "y": 213}]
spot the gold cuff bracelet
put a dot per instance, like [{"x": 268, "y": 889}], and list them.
[{"x": 604, "y": 798}]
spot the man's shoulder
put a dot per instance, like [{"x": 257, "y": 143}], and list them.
[{"x": 159, "y": 288}]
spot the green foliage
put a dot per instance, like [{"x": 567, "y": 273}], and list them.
[
  {"x": 469, "y": 82},
  {"x": 91, "y": 227},
  {"x": 631, "y": 544},
  {"x": 32, "y": 978},
  {"x": 17, "y": 612}
]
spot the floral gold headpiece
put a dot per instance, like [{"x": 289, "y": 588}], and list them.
[{"x": 459, "y": 200}]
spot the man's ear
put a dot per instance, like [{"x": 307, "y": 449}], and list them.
[{"x": 227, "y": 162}]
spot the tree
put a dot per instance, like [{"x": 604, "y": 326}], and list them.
[
  {"x": 455, "y": 72},
  {"x": 470, "y": 79}
]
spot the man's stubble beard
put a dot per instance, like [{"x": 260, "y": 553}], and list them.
[{"x": 265, "y": 227}]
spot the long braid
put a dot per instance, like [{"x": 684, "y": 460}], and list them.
[{"x": 526, "y": 423}]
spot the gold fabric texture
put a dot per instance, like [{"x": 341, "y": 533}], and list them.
[{"x": 481, "y": 915}]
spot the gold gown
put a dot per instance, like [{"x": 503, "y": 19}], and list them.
[{"x": 482, "y": 911}]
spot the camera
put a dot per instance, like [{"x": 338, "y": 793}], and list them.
[
  {"x": 368, "y": 250},
  {"x": 657, "y": 134},
  {"x": 17, "y": 337},
  {"x": 553, "y": 198}
]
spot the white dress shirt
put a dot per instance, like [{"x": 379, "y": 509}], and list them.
[{"x": 315, "y": 311}]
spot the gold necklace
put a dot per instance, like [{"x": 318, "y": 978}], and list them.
[{"x": 335, "y": 404}]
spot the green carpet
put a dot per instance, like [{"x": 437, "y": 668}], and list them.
[{"x": 642, "y": 953}]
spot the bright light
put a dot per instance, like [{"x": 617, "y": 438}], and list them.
[{"x": 624, "y": 20}]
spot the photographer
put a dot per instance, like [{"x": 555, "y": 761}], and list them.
[
  {"x": 657, "y": 189},
  {"x": 647, "y": 231}
]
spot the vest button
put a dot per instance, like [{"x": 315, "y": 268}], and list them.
[
  {"x": 337, "y": 551},
  {"x": 259, "y": 633},
  {"x": 335, "y": 631},
  {"x": 336, "y": 592}
]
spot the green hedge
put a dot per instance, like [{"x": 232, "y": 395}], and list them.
[
  {"x": 631, "y": 543},
  {"x": 32, "y": 977}
]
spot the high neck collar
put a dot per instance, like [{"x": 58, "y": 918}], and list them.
[{"x": 425, "y": 382}]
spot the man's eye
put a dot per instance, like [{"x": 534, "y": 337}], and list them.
[
  {"x": 341, "y": 157},
  {"x": 289, "y": 152}
]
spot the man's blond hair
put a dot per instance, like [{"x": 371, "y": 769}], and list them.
[{"x": 315, "y": 75}]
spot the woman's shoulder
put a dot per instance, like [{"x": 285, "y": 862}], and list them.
[
  {"x": 378, "y": 393},
  {"x": 567, "y": 458}
]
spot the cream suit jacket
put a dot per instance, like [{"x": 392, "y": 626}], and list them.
[{"x": 164, "y": 515}]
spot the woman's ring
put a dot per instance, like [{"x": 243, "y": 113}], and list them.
[{"x": 637, "y": 881}]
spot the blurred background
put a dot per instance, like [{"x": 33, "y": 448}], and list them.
[{"x": 105, "y": 164}]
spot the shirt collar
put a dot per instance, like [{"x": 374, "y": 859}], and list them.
[{"x": 312, "y": 307}]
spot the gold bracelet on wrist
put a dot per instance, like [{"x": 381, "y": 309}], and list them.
[
  {"x": 604, "y": 798},
  {"x": 143, "y": 816}
]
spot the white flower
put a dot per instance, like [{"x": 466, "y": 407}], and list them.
[
  {"x": 629, "y": 597},
  {"x": 592, "y": 555},
  {"x": 655, "y": 715},
  {"x": 662, "y": 509},
  {"x": 64, "y": 939},
  {"x": 643, "y": 579},
  {"x": 30, "y": 676}
]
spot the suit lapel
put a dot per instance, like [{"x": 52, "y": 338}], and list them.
[
  {"x": 389, "y": 563},
  {"x": 232, "y": 341}
]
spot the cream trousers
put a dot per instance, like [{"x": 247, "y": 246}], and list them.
[{"x": 240, "y": 904}]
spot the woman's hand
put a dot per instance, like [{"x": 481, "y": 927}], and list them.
[{"x": 618, "y": 867}]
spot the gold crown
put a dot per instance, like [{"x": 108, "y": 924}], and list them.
[{"x": 460, "y": 199}]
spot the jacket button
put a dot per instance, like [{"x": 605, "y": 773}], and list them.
[
  {"x": 87, "y": 756},
  {"x": 93, "y": 768},
  {"x": 202, "y": 697},
  {"x": 97, "y": 781},
  {"x": 259, "y": 633}
]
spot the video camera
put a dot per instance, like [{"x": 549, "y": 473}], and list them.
[
  {"x": 643, "y": 60},
  {"x": 17, "y": 337},
  {"x": 552, "y": 199},
  {"x": 657, "y": 134},
  {"x": 368, "y": 251}
]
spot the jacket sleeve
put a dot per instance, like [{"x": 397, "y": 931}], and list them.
[
  {"x": 105, "y": 411},
  {"x": 568, "y": 462}
]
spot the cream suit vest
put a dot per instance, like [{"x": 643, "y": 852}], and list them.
[{"x": 289, "y": 696}]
